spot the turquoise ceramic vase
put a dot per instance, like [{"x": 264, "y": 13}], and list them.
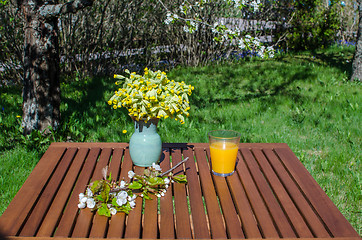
[{"x": 145, "y": 145}]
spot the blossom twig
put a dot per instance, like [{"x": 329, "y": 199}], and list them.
[{"x": 174, "y": 167}]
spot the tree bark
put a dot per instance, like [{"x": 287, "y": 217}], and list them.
[
  {"x": 357, "y": 59},
  {"x": 41, "y": 89}
]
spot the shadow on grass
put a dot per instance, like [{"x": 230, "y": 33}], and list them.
[
  {"x": 337, "y": 60},
  {"x": 265, "y": 81},
  {"x": 82, "y": 100}
]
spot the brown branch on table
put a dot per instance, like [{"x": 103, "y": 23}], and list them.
[{"x": 173, "y": 168}]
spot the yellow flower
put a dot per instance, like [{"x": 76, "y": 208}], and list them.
[
  {"x": 146, "y": 96},
  {"x": 18, "y": 116}
]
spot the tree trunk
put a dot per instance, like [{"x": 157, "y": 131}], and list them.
[
  {"x": 357, "y": 59},
  {"x": 41, "y": 90}
]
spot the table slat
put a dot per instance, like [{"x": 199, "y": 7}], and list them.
[
  {"x": 286, "y": 202},
  {"x": 167, "y": 223},
  {"x": 233, "y": 225},
  {"x": 216, "y": 221},
  {"x": 19, "y": 208},
  {"x": 314, "y": 222},
  {"x": 134, "y": 221},
  {"x": 183, "y": 229},
  {"x": 100, "y": 223},
  {"x": 200, "y": 226},
  {"x": 83, "y": 225},
  {"x": 117, "y": 223},
  {"x": 261, "y": 212},
  {"x": 54, "y": 214},
  {"x": 33, "y": 222},
  {"x": 249, "y": 223},
  {"x": 65, "y": 226},
  {"x": 330, "y": 214}
]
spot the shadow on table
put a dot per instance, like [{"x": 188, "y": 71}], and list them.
[
  {"x": 2, "y": 236},
  {"x": 167, "y": 148}
]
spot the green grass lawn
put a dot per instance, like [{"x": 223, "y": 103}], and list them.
[{"x": 304, "y": 100}]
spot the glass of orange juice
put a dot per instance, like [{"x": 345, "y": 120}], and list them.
[{"x": 224, "y": 145}]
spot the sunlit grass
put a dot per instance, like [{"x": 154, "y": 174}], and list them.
[{"x": 304, "y": 100}]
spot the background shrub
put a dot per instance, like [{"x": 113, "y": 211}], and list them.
[{"x": 314, "y": 24}]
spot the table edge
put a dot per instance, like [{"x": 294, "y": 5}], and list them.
[
  {"x": 165, "y": 145},
  {"x": 61, "y": 238}
]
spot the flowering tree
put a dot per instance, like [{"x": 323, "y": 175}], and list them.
[{"x": 190, "y": 15}]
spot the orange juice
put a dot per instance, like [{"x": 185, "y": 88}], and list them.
[{"x": 223, "y": 156}]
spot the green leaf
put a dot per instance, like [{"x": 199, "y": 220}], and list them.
[
  {"x": 146, "y": 196},
  {"x": 95, "y": 186},
  {"x": 114, "y": 202},
  {"x": 147, "y": 172},
  {"x": 135, "y": 185},
  {"x": 105, "y": 192},
  {"x": 103, "y": 210},
  {"x": 100, "y": 198},
  {"x": 180, "y": 178},
  {"x": 126, "y": 208},
  {"x": 155, "y": 181}
]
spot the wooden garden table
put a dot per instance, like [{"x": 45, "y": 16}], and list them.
[{"x": 271, "y": 195}]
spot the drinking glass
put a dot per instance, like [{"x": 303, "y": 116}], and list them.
[{"x": 224, "y": 145}]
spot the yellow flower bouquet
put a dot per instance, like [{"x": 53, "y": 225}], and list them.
[{"x": 152, "y": 95}]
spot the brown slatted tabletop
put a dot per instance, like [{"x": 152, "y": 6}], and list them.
[{"x": 271, "y": 195}]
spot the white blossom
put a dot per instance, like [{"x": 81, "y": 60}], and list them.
[
  {"x": 91, "y": 203},
  {"x": 270, "y": 51},
  {"x": 122, "y": 198},
  {"x": 83, "y": 200},
  {"x": 186, "y": 29},
  {"x": 256, "y": 42},
  {"x": 167, "y": 181},
  {"x": 241, "y": 44},
  {"x": 81, "y": 205},
  {"x": 156, "y": 167},
  {"x": 89, "y": 192},
  {"x": 170, "y": 17},
  {"x": 132, "y": 204},
  {"x": 132, "y": 198},
  {"x": 122, "y": 184},
  {"x": 81, "y": 196},
  {"x": 261, "y": 51},
  {"x": 113, "y": 211},
  {"x": 131, "y": 174}
]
